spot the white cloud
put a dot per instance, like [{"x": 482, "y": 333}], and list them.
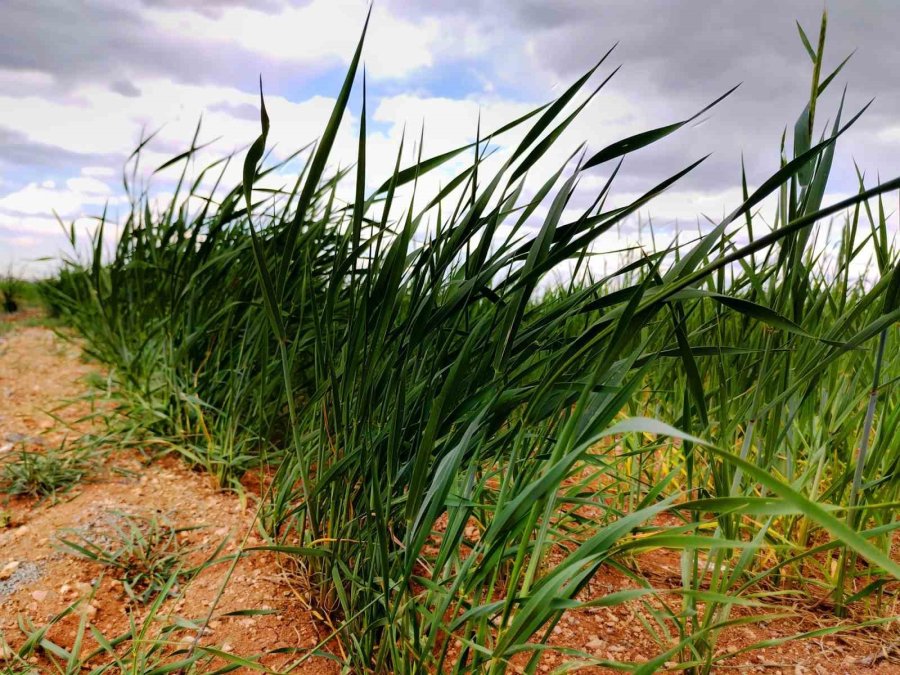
[
  {"x": 448, "y": 122},
  {"x": 96, "y": 120},
  {"x": 34, "y": 245},
  {"x": 890, "y": 134},
  {"x": 36, "y": 199},
  {"x": 98, "y": 171},
  {"x": 321, "y": 30},
  {"x": 15, "y": 81},
  {"x": 88, "y": 186}
]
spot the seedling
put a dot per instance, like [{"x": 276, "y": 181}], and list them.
[{"x": 145, "y": 553}]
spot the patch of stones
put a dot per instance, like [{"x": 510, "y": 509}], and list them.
[
  {"x": 100, "y": 526},
  {"x": 15, "y": 574}
]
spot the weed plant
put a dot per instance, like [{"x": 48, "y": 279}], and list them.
[
  {"x": 45, "y": 472},
  {"x": 143, "y": 552}
]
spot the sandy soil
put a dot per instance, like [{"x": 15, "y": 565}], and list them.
[{"x": 40, "y": 373}]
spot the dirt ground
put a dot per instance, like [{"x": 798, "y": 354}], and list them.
[
  {"x": 42, "y": 399},
  {"x": 42, "y": 378}
]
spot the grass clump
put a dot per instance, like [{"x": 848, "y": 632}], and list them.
[
  {"x": 152, "y": 643},
  {"x": 18, "y": 294},
  {"x": 44, "y": 472},
  {"x": 9, "y": 289},
  {"x": 455, "y": 451},
  {"x": 143, "y": 552}
]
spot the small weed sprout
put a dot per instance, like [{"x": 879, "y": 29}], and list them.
[{"x": 143, "y": 552}]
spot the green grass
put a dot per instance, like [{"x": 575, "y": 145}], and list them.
[
  {"x": 17, "y": 294},
  {"x": 45, "y": 472},
  {"x": 10, "y": 291},
  {"x": 153, "y": 643},
  {"x": 142, "y": 552},
  {"x": 407, "y": 369}
]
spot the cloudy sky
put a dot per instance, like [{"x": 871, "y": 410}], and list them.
[{"x": 80, "y": 79}]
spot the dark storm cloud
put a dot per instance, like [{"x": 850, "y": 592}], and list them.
[
  {"x": 686, "y": 48},
  {"x": 678, "y": 56},
  {"x": 82, "y": 42},
  {"x": 125, "y": 88},
  {"x": 20, "y": 153},
  {"x": 213, "y": 8}
]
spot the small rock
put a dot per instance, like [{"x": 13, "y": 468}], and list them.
[
  {"x": 88, "y": 610},
  {"x": 226, "y": 647},
  {"x": 82, "y": 588},
  {"x": 7, "y": 570},
  {"x": 595, "y": 643},
  {"x": 40, "y": 596}
]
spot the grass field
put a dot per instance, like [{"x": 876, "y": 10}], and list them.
[{"x": 453, "y": 438}]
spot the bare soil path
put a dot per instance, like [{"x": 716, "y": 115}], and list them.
[{"x": 42, "y": 383}]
